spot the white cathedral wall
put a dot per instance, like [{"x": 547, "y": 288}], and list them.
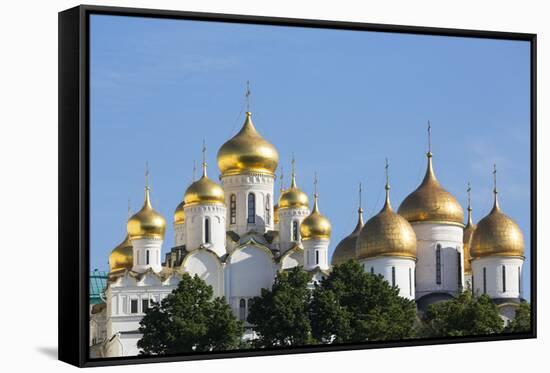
[
  {"x": 195, "y": 217},
  {"x": 208, "y": 267},
  {"x": 429, "y": 236},
  {"x": 241, "y": 185},
  {"x": 286, "y": 218},
  {"x": 494, "y": 276},
  {"x": 179, "y": 234},
  {"x": 404, "y": 272},
  {"x": 293, "y": 259},
  {"x": 140, "y": 249},
  {"x": 311, "y": 248},
  {"x": 248, "y": 269}
]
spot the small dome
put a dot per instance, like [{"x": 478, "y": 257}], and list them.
[
  {"x": 247, "y": 151},
  {"x": 467, "y": 237},
  {"x": 345, "y": 250},
  {"x": 179, "y": 214},
  {"x": 315, "y": 225},
  {"x": 122, "y": 257},
  {"x": 293, "y": 197},
  {"x": 430, "y": 202},
  {"x": 496, "y": 235},
  {"x": 146, "y": 223},
  {"x": 204, "y": 191},
  {"x": 386, "y": 234}
]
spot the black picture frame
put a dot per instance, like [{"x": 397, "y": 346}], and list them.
[{"x": 74, "y": 179}]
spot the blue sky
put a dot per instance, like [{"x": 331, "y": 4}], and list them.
[{"x": 342, "y": 101}]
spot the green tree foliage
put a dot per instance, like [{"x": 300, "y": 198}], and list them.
[
  {"x": 189, "y": 320},
  {"x": 464, "y": 315},
  {"x": 353, "y": 306},
  {"x": 522, "y": 322},
  {"x": 280, "y": 315}
]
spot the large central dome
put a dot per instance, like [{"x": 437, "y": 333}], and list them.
[
  {"x": 246, "y": 152},
  {"x": 430, "y": 202}
]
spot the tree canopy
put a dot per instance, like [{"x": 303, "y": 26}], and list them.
[
  {"x": 189, "y": 320},
  {"x": 351, "y": 305},
  {"x": 522, "y": 322},
  {"x": 464, "y": 315},
  {"x": 280, "y": 315}
]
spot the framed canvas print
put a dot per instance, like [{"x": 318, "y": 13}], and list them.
[{"x": 234, "y": 186}]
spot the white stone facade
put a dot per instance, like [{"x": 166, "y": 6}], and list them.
[
  {"x": 398, "y": 271},
  {"x": 497, "y": 276}
]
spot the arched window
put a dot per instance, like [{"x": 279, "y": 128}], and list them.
[
  {"x": 503, "y": 279},
  {"x": 316, "y": 256},
  {"x": 392, "y": 276},
  {"x": 294, "y": 230},
  {"x": 233, "y": 209},
  {"x": 242, "y": 309},
  {"x": 207, "y": 230},
  {"x": 251, "y": 208},
  {"x": 372, "y": 270},
  {"x": 268, "y": 209},
  {"x": 438, "y": 265},
  {"x": 147, "y": 257}
]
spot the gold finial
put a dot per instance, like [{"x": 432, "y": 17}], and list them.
[
  {"x": 315, "y": 195},
  {"x": 194, "y": 169},
  {"x": 203, "y": 158},
  {"x": 293, "y": 180},
  {"x": 495, "y": 190},
  {"x": 360, "y": 210},
  {"x": 129, "y": 209},
  {"x": 469, "y": 190},
  {"x": 247, "y": 94},
  {"x": 387, "y": 186},
  {"x": 146, "y": 175},
  {"x": 429, "y": 139}
]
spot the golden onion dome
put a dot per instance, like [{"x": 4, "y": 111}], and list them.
[
  {"x": 315, "y": 225},
  {"x": 122, "y": 257},
  {"x": 345, "y": 250},
  {"x": 246, "y": 152},
  {"x": 497, "y": 235},
  {"x": 204, "y": 191},
  {"x": 386, "y": 234},
  {"x": 146, "y": 223},
  {"x": 293, "y": 197},
  {"x": 179, "y": 214},
  {"x": 430, "y": 202},
  {"x": 467, "y": 237}
]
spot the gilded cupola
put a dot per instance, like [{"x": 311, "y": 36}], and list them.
[
  {"x": 496, "y": 234},
  {"x": 345, "y": 250},
  {"x": 467, "y": 237},
  {"x": 122, "y": 257},
  {"x": 247, "y": 152},
  {"x": 179, "y": 214},
  {"x": 146, "y": 223},
  {"x": 430, "y": 202},
  {"x": 204, "y": 190},
  {"x": 293, "y": 197},
  {"x": 315, "y": 225},
  {"x": 386, "y": 234}
]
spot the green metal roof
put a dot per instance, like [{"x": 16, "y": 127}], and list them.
[{"x": 98, "y": 281}]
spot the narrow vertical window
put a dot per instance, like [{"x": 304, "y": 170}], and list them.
[
  {"x": 144, "y": 305},
  {"x": 233, "y": 209},
  {"x": 134, "y": 306},
  {"x": 268, "y": 209},
  {"x": 519, "y": 280},
  {"x": 251, "y": 208},
  {"x": 372, "y": 270},
  {"x": 242, "y": 310},
  {"x": 484, "y": 280},
  {"x": 438, "y": 265},
  {"x": 473, "y": 285},
  {"x": 147, "y": 257},
  {"x": 207, "y": 230},
  {"x": 459, "y": 269},
  {"x": 392, "y": 276},
  {"x": 503, "y": 279},
  {"x": 316, "y": 256},
  {"x": 294, "y": 230},
  {"x": 410, "y": 283}
]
